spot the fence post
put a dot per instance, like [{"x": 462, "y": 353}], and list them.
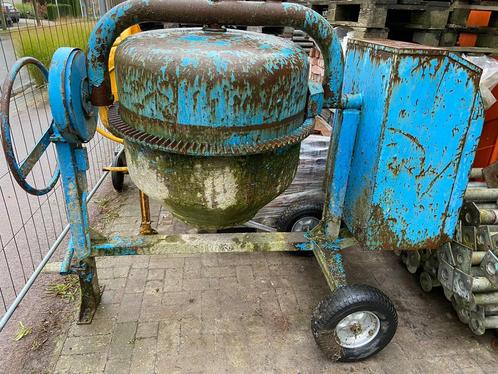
[
  {"x": 102, "y": 8},
  {"x": 3, "y": 19},
  {"x": 35, "y": 9}
]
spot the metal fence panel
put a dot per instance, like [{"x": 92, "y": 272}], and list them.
[{"x": 29, "y": 225}]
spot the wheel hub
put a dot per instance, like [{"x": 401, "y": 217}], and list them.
[
  {"x": 305, "y": 224},
  {"x": 357, "y": 329}
]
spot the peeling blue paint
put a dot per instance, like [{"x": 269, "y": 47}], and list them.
[
  {"x": 205, "y": 12},
  {"x": 415, "y": 146}
]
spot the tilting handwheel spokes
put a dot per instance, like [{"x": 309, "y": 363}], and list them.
[{"x": 20, "y": 171}]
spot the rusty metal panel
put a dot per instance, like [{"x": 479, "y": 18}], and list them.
[
  {"x": 213, "y": 92},
  {"x": 207, "y": 12},
  {"x": 420, "y": 123}
]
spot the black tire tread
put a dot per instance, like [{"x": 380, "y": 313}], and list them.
[
  {"x": 117, "y": 177},
  {"x": 340, "y": 300},
  {"x": 294, "y": 210}
]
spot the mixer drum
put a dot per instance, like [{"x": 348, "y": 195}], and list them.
[{"x": 212, "y": 120}]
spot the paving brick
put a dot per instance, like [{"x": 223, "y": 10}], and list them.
[
  {"x": 276, "y": 258},
  {"x": 164, "y": 312},
  {"x": 118, "y": 366},
  {"x": 177, "y": 298},
  {"x": 209, "y": 259},
  {"x": 140, "y": 262},
  {"x": 217, "y": 283},
  {"x": 120, "y": 271},
  {"x": 82, "y": 363},
  {"x": 144, "y": 356},
  {"x": 245, "y": 276},
  {"x": 112, "y": 296},
  {"x": 287, "y": 300},
  {"x": 155, "y": 274},
  {"x": 477, "y": 370},
  {"x": 123, "y": 340},
  {"x": 168, "y": 340},
  {"x": 173, "y": 279},
  {"x": 129, "y": 309},
  {"x": 217, "y": 271},
  {"x": 488, "y": 368},
  {"x": 232, "y": 259},
  {"x": 97, "y": 327},
  {"x": 257, "y": 318},
  {"x": 484, "y": 357},
  {"x": 195, "y": 284},
  {"x": 261, "y": 271},
  {"x": 154, "y": 286},
  {"x": 151, "y": 299},
  {"x": 105, "y": 262},
  {"x": 192, "y": 267},
  {"x": 77, "y": 345},
  {"x": 113, "y": 284},
  {"x": 107, "y": 311},
  {"x": 209, "y": 308},
  {"x": 156, "y": 312},
  {"x": 166, "y": 262},
  {"x": 147, "y": 329},
  {"x": 136, "y": 280}
]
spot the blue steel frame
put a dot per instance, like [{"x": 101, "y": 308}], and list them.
[
  {"x": 75, "y": 119},
  {"x": 74, "y": 123}
]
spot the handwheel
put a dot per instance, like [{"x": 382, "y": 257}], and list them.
[
  {"x": 21, "y": 171},
  {"x": 353, "y": 323},
  {"x": 117, "y": 177}
]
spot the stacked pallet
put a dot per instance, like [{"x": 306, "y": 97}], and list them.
[
  {"x": 317, "y": 66},
  {"x": 435, "y": 23}
]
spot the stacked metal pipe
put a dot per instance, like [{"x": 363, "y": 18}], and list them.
[{"x": 467, "y": 267}]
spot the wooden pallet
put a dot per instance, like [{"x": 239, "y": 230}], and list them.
[
  {"x": 375, "y": 13},
  {"x": 431, "y": 22}
]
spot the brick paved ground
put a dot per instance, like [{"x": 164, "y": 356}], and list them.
[{"x": 228, "y": 313}]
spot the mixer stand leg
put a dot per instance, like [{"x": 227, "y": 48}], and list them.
[
  {"x": 90, "y": 290},
  {"x": 146, "y": 225}
]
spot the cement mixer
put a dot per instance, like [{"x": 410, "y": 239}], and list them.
[{"x": 212, "y": 119}]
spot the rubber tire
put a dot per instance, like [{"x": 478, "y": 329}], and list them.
[
  {"x": 308, "y": 206},
  {"x": 117, "y": 177},
  {"x": 342, "y": 302}
]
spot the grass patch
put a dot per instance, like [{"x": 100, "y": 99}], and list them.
[
  {"x": 22, "y": 331},
  {"x": 108, "y": 210},
  {"x": 42, "y": 42},
  {"x": 26, "y": 10},
  {"x": 66, "y": 290}
]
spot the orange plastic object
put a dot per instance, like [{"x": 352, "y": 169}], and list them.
[
  {"x": 476, "y": 18},
  {"x": 487, "y": 150}
]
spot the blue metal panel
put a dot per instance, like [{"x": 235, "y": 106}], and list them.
[
  {"x": 419, "y": 127},
  {"x": 228, "y": 88},
  {"x": 74, "y": 164},
  {"x": 342, "y": 140},
  {"x": 315, "y": 100},
  {"x": 74, "y": 118},
  {"x": 208, "y": 12}
]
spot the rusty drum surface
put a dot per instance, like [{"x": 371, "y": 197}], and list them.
[{"x": 212, "y": 120}]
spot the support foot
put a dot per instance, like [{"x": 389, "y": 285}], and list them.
[{"x": 90, "y": 291}]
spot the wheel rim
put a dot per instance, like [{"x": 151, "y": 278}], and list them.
[
  {"x": 357, "y": 329},
  {"x": 305, "y": 224}
]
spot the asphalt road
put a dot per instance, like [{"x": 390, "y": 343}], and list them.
[{"x": 7, "y": 59}]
